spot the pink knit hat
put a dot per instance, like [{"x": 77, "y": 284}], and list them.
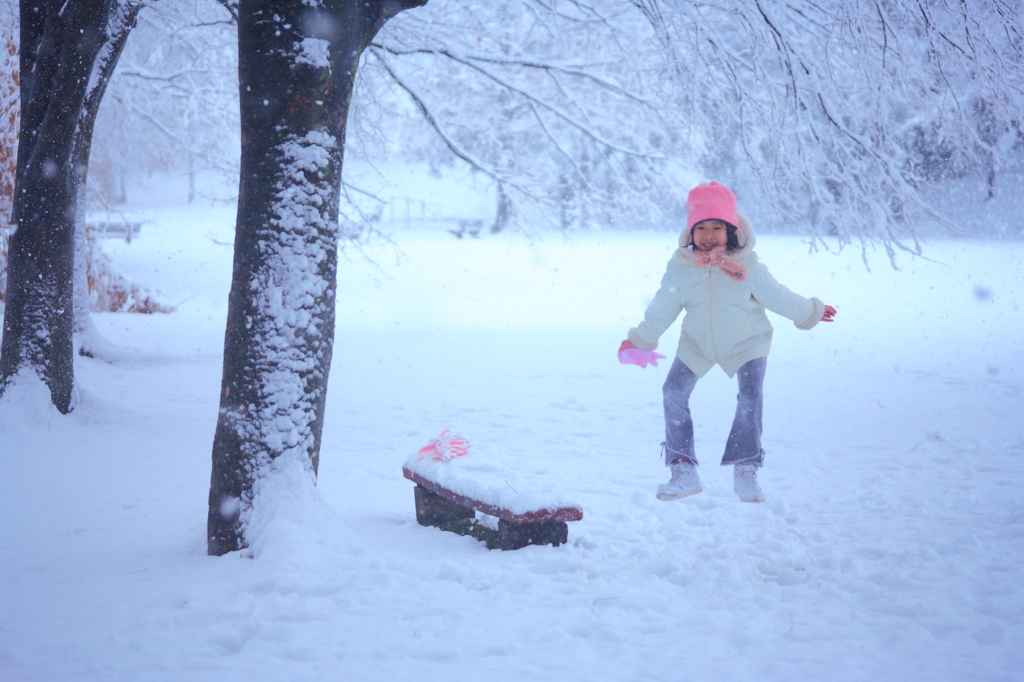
[{"x": 710, "y": 202}]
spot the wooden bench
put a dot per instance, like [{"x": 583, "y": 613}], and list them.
[
  {"x": 441, "y": 507},
  {"x": 119, "y": 230}
]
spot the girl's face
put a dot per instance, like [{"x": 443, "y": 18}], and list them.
[{"x": 707, "y": 234}]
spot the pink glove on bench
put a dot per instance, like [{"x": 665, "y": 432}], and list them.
[
  {"x": 631, "y": 355},
  {"x": 445, "y": 447}
]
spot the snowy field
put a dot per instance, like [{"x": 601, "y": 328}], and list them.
[{"x": 891, "y": 546}]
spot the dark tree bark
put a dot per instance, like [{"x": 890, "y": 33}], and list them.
[
  {"x": 59, "y": 44},
  {"x": 123, "y": 17},
  {"x": 297, "y": 66}
]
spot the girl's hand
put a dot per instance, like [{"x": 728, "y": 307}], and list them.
[
  {"x": 829, "y": 315},
  {"x": 631, "y": 355}
]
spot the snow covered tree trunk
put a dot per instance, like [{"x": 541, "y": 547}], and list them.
[
  {"x": 123, "y": 17},
  {"x": 297, "y": 67},
  {"x": 10, "y": 113},
  {"x": 59, "y": 45}
]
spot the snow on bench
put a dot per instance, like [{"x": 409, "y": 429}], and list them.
[{"x": 448, "y": 493}]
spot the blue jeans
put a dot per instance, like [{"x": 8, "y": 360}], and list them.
[{"x": 744, "y": 444}]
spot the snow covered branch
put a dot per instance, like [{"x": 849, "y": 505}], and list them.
[
  {"x": 530, "y": 92},
  {"x": 844, "y": 111}
]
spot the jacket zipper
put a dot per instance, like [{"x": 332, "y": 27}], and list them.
[{"x": 711, "y": 318}]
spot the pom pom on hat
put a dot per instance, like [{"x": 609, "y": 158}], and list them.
[{"x": 712, "y": 201}]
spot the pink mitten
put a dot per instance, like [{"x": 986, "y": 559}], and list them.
[
  {"x": 445, "y": 447},
  {"x": 631, "y": 355}
]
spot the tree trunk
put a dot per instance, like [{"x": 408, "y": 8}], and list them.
[
  {"x": 504, "y": 212},
  {"x": 123, "y": 17},
  {"x": 59, "y": 44},
  {"x": 296, "y": 69}
]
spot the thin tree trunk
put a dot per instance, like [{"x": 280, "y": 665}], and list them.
[
  {"x": 503, "y": 213},
  {"x": 296, "y": 70},
  {"x": 123, "y": 17}
]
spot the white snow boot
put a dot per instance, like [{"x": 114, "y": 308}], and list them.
[
  {"x": 684, "y": 482},
  {"x": 744, "y": 482}
]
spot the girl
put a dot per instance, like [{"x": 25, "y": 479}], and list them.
[{"x": 716, "y": 278}]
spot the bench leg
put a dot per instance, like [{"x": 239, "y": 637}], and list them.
[
  {"x": 518, "y": 535},
  {"x": 434, "y": 510}
]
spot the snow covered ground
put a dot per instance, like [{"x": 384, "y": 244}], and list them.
[{"x": 891, "y": 546}]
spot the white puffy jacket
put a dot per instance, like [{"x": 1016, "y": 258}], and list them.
[{"x": 725, "y": 320}]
